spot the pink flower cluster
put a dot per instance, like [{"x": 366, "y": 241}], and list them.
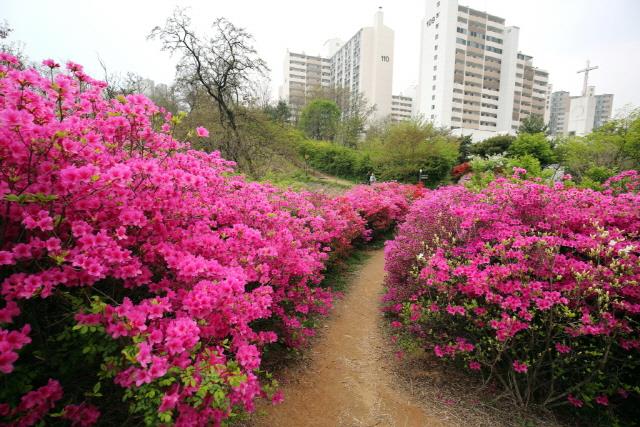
[
  {"x": 98, "y": 199},
  {"x": 540, "y": 281},
  {"x": 383, "y": 205}
]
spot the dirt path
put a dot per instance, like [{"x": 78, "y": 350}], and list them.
[
  {"x": 346, "y": 382},
  {"x": 332, "y": 179}
]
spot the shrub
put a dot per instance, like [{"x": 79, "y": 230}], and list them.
[
  {"x": 335, "y": 159},
  {"x": 460, "y": 170},
  {"x": 536, "y": 145},
  {"x": 382, "y": 205},
  {"x": 533, "y": 286},
  {"x": 134, "y": 268},
  {"x": 495, "y": 145}
]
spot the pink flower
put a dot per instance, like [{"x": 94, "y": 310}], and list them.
[
  {"x": 474, "y": 366},
  {"x": 575, "y": 401},
  {"x": 6, "y": 258},
  {"x": 169, "y": 401},
  {"x": 83, "y": 415},
  {"x": 520, "y": 367},
  {"x": 602, "y": 400},
  {"x": 439, "y": 352},
  {"x": 518, "y": 171},
  {"x": 248, "y": 356},
  {"x": 562, "y": 348},
  {"x": 202, "y": 132},
  {"x": 456, "y": 309},
  {"x": 50, "y": 63},
  {"x": 277, "y": 398}
]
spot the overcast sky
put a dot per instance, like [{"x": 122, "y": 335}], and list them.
[{"x": 560, "y": 34}]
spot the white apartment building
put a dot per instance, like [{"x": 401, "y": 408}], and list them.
[
  {"x": 473, "y": 80},
  {"x": 303, "y": 74},
  {"x": 363, "y": 64},
  {"x": 401, "y": 108},
  {"x": 579, "y": 115}
]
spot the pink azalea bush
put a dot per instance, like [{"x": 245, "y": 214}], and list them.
[
  {"x": 536, "y": 287},
  {"x": 383, "y": 205},
  {"x": 135, "y": 268},
  {"x": 625, "y": 182}
]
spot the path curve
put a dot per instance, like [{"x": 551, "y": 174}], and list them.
[{"x": 346, "y": 382}]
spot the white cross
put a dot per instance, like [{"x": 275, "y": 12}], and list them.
[{"x": 586, "y": 77}]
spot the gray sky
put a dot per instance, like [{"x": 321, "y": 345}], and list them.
[{"x": 559, "y": 34}]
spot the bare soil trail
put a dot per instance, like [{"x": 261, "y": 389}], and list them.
[{"x": 348, "y": 380}]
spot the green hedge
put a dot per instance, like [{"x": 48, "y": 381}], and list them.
[{"x": 336, "y": 160}]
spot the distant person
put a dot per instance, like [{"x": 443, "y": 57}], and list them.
[{"x": 372, "y": 179}]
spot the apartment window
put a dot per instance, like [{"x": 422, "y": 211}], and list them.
[
  {"x": 433, "y": 107},
  {"x": 435, "y": 47},
  {"x": 433, "y": 87},
  {"x": 433, "y": 97},
  {"x": 438, "y": 4},
  {"x": 434, "y": 77},
  {"x": 435, "y": 57},
  {"x": 435, "y": 67},
  {"x": 436, "y": 36}
]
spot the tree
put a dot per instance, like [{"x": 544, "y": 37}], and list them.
[
  {"x": 491, "y": 146},
  {"x": 406, "y": 147},
  {"x": 222, "y": 66},
  {"x": 533, "y": 123},
  {"x": 319, "y": 119},
  {"x": 355, "y": 112},
  {"x": 130, "y": 83},
  {"x": 537, "y": 145},
  {"x": 623, "y": 132},
  {"x": 466, "y": 147},
  {"x": 7, "y": 45},
  {"x": 280, "y": 113}
]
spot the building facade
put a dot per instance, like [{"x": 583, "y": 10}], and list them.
[
  {"x": 579, "y": 115},
  {"x": 364, "y": 64},
  {"x": 303, "y": 75},
  {"x": 401, "y": 108},
  {"x": 604, "y": 109},
  {"x": 559, "y": 113},
  {"x": 473, "y": 80}
]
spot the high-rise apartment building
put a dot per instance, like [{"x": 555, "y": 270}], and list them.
[
  {"x": 473, "y": 79},
  {"x": 364, "y": 65},
  {"x": 604, "y": 108},
  {"x": 559, "y": 113},
  {"x": 401, "y": 108},
  {"x": 303, "y": 74}
]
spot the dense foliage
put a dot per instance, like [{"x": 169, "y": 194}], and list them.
[
  {"x": 534, "y": 286},
  {"x": 395, "y": 151},
  {"x": 319, "y": 119},
  {"x": 135, "y": 268},
  {"x": 336, "y": 160}
]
